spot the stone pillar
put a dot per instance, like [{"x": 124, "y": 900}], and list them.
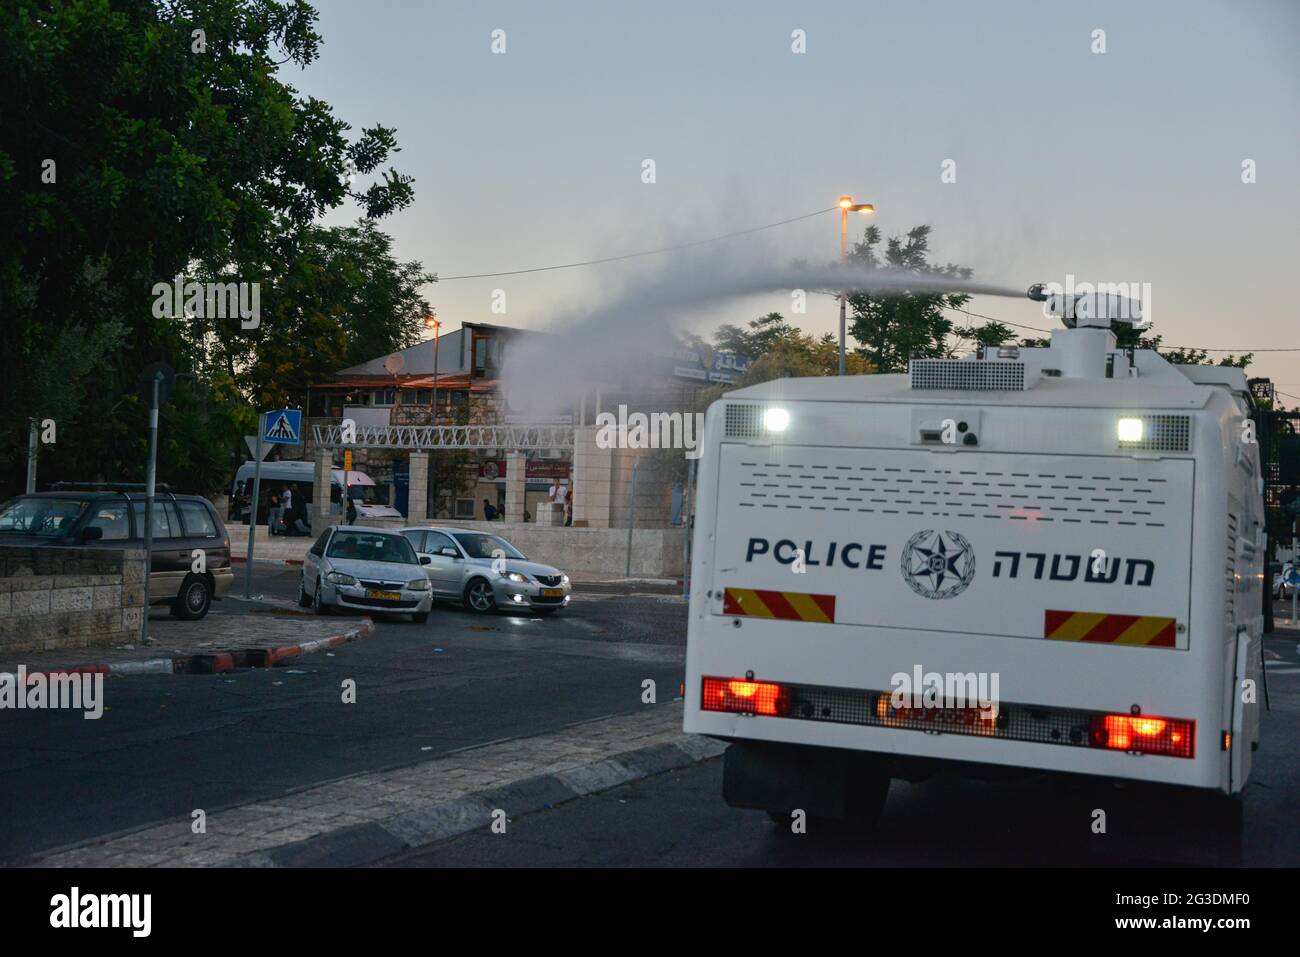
[
  {"x": 592, "y": 467},
  {"x": 417, "y": 497},
  {"x": 322, "y": 476},
  {"x": 516, "y": 483}
]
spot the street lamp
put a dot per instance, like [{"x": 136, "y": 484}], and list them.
[
  {"x": 847, "y": 206},
  {"x": 431, "y": 322}
]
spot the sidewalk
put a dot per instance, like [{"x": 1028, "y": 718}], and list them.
[
  {"x": 367, "y": 817},
  {"x": 214, "y": 644},
  {"x": 282, "y": 549},
  {"x": 287, "y": 550}
]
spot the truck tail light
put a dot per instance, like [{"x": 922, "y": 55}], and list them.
[
  {"x": 1012, "y": 721},
  {"x": 1144, "y": 734},
  {"x": 745, "y": 696}
]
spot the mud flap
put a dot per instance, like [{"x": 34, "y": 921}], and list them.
[
  {"x": 823, "y": 782},
  {"x": 1245, "y": 716}
]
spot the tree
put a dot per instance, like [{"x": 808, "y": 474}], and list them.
[
  {"x": 992, "y": 333},
  {"x": 340, "y": 300},
  {"x": 1127, "y": 337},
  {"x": 779, "y": 350},
  {"x": 762, "y": 335},
  {"x": 141, "y": 141},
  {"x": 897, "y": 327}
]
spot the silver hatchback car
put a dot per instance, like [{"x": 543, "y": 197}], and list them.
[
  {"x": 486, "y": 572},
  {"x": 366, "y": 569}
]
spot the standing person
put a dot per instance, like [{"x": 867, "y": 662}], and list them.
[
  {"x": 557, "y": 493},
  {"x": 568, "y": 512},
  {"x": 489, "y": 513},
  {"x": 273, "y": 515},
  {"x": 352, "y": 507},
  {"x": 298, "y": 520}
]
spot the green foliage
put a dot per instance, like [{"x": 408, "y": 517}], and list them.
[
  {"x": 341, "y": 299},
  {"x": 132, "y": 151},
  {"x": 1127, "y": 336},
  {"x": 893, "y": 328},
  {"x": 761, "y": 337},
  {"x": 778, "y": 350},
  {"x": 992, "y": 333},
  {"x": 452, "y": 472}
]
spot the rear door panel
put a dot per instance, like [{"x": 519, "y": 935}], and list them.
[{"x": 968, "y": 543}]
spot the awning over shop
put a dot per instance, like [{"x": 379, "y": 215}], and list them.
[{"x": 445, "y": 382}]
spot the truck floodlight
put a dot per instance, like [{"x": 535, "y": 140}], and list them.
[
  {"x": 776, "y": 419},
  {"x": 1129, "y": 430}
]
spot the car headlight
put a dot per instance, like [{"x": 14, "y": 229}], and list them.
[
  {"x": 418, "y": 584},
  {"x": 339, "y": 578},
  {"x": 516, "y": 577},
  {"x": 564, "y": 579}
]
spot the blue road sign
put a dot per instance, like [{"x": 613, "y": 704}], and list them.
[{"x": 282, "y": 426}]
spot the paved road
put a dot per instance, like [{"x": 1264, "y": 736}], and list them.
[
  {"x": 169, "y": 744},
  {"x": 678, "y": 819}
]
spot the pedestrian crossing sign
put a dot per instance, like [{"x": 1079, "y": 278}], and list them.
[{"x": 282, "y": 427}]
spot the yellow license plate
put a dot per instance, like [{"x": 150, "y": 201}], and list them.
[
  {"x": 552, "y": 592},
  {"x": 385, "y": 595}
]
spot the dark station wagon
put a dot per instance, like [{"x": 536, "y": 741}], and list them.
[{"x": 112, "y": 516}]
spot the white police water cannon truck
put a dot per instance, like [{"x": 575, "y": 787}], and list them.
[{"x": 1034, "y": 558}]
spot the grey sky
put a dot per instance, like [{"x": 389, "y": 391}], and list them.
[{"x": 1124, "y": 166}]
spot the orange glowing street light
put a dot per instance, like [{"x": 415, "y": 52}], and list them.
[{"x": 847, "y": 206}]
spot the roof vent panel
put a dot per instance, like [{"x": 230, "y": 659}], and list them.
[{"x": 965, "y": 375}]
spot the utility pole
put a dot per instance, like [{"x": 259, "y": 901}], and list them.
[
  {"x": 252, "y": 507},
  {"x": 151, "y": 475},
  {"x": 631, "y": 519},
  {"x": 33, "y": 448},
  {"x": 847, "y": 206}
]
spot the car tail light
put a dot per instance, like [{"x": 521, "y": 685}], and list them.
[
  {"x": 1144, "y": 734},
  {"x": 745, "y": 696}
]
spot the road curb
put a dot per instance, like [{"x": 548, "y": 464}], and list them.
[
  {"x": 675, "y": 582},
  {"x": 361, "y": 844},
  {"x": 243, "y": 560},
  {"x": 212, "y": 662}
]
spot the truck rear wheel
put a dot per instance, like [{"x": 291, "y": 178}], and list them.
[
  {"x": 848, "y": 788},
  {"x": 868, "y": 791}
]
